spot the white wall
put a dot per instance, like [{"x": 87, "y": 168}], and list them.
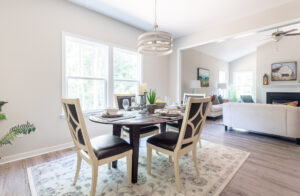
[
  {"x": 283, "y": 51},
  {"x": 31, "y": 61},
  {"x": 269, "y": 18},
  {"x": 244, "y": 64},
  {"x": 191, "y": 60}
]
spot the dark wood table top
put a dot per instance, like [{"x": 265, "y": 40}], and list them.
[{"x": 135, "y": 118}]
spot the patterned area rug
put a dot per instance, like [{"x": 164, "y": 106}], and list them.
[{"x": 217, "y": 164}]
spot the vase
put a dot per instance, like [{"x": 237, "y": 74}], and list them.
[{"x": 151, "y": 108}]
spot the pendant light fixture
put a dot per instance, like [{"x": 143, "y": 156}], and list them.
[{"x": 157, "y": 43}]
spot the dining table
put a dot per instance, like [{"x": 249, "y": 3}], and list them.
[{"x": 135, "y": 120}]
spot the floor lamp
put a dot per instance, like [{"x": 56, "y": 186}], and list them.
[
  {"x": 222, "y": 86},
  {"x": 194, "y": 84}
]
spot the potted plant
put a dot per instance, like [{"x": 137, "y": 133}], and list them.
[
  {"x": 151, "y": 97},
  {"x": 23, "y": 129}
]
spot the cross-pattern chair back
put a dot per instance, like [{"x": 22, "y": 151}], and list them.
[
  {"x": 120, "y": 97},
  {"x": 193, "y": 121},
  {"x": 77, "y": 126},
  {"x": 187, "y": 95}
]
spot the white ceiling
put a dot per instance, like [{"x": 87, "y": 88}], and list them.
[
  {"x": 238, "y": 47},
  {"x": 180, "y": 17}
]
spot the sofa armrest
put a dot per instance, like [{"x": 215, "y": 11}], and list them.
[{"x": 225, "y": 100}]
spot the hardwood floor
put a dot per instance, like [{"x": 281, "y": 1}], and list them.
[{"x": 273, "y": 168}]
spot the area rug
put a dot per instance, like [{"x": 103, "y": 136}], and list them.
[{"x": 217, "y": 165}]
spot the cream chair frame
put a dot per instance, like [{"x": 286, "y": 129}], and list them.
[
  {"x": 86, "y": 152},
  {"x": 117, "y": 105},
  {"x": 181, "y": 141},
  {"x": 184, "y": 95},
  {"x": 122, "y": 95}
]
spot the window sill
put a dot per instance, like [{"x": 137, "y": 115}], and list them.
[{"x": 85, "y": 114}]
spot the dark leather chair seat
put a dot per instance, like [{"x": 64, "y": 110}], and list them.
[
  {"x": 143, "y": 130},
  {"x": 173, "y": 124},
  {"x": 108, "y": 145},
  {"x": 166, "y": 140}
]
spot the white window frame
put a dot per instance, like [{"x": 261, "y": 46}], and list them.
[
  {"x": 241, "y": 86},
  {"x": 139, "y": 59},
  {"x": 109, "y": 84},
  {"x": 222, "y": 92}
]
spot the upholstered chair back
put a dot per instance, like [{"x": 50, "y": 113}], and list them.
[
  {"x": 120, "y": 97},
  {"x": 77, "y": 126},
  {"x": 193, "y": 121},
  {"x": 187, "y": 95}
]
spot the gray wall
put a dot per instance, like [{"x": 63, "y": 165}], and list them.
[{"x": 191, "y": 60}]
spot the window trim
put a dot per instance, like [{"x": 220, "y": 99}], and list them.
[
  {"x": 139, "y": 68},
  {"x": 109, "y": 80},
  {"x": 252, "y": 85}
]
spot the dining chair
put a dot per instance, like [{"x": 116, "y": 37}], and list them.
[
  {"x": 177, "y": 144},
  {"x": 145, "y": 131},
  {"x": 175, "y": 125},
  {"x": 96, "y": 151}
]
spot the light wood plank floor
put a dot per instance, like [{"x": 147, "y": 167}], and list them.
[{"x": 273, "y": 168}]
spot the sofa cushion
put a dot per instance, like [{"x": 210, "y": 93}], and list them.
[
  {"x": 265, "y": 118},
  {"x": 216, "y": 108}
]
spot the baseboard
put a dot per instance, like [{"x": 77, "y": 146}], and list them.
[{"x": 25, "y": 155}]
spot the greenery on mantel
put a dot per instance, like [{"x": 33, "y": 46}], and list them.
[{"x": 23, "y": 129}]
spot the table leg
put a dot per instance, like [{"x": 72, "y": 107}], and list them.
[
  {"x": 163, "y": 127},
  {"x": 179, "y": 124},
  {"x": 116, "y": 132},
  {"x": 135, "y": 142}
]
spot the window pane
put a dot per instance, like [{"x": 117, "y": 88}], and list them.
[
  {"x": 243, "y": 83},
  {"x": 125, "y": 64},
  {"x": 90, "y": 92},
  {"x": 246, "y": 90},
  {"x": 222, "y": 78},
  {"x": 85, "y": 59},
  {"x": 121, "y": 87}
]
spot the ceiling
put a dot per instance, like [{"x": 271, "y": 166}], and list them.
[
  {"x": 179, "y": 17},
  {"x": 234, "y": 48}
]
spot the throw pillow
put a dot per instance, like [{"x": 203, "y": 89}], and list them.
[
  {"x": 292, "y": 103},
  {"x": 220, "y": 99},
  {"x": 215, "y": 100}
]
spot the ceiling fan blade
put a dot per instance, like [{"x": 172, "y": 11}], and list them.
[
  {"x": 289, "y": 31},
  {"x": 292, "y": 34}
]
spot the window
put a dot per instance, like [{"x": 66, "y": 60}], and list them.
[
  {"x": 243, "y": 83},
  {"x": 126, "y": 71},
  {"x": 86, "y": 71},
  {"x": 222, "y": 79}
]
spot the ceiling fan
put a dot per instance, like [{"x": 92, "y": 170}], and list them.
[{"x": 278, "y": 35}]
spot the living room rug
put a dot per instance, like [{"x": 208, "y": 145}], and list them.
[{"x": 217, "y": 165}]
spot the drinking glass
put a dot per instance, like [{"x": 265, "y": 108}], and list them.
[
  {"x": 125, "y": 104},
  {"x": 133, "y": 104}
]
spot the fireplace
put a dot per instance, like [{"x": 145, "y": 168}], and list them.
[{"x": 283, "y": 97}]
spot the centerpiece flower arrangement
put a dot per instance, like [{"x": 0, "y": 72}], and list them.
[{"x": 151, "y": 97}]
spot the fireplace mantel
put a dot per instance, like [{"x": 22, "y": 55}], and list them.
[{"x": 282, "y": 86}]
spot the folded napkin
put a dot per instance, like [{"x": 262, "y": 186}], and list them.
[{"x": 168, "y": 111}]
